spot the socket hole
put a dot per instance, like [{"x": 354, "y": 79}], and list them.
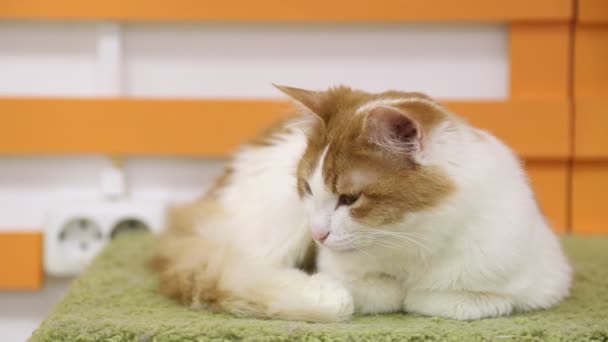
[
  {"x": 129, "y": 225},
  {"x": 80, "y": 229},
  {"x": 81, "y": 235}
]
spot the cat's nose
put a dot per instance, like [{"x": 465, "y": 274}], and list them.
[{"x": 320, "y": 234}]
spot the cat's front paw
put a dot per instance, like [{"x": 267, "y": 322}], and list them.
[{"x": 331, "y": 296}]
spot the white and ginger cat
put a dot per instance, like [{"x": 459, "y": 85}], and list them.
[{"x": 400, "y": 205}]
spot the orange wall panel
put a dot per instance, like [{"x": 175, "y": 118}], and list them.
[
  {"x": 540, "y": 61},
  {"x": 590, "y": 197},
  {"x": 591, "y": 92},
  {"x": 535, "y": 130},
  {"x": 115, "y": 126},
  {"x": 592, "y": 11},
  {"x": 549, "y": 181},
  {"x": 216, "y": 128},
  {"x": 591, "y": 61},
  {"x": 293, "y": 11},
  {"x": 20, "y": 260},
  {"x": 590, "y": 169},
  {"x": 591, "y": 135}
]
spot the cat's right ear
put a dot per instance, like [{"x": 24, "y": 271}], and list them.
[
  {"x": 393, "y": 130},
  {"x": 312, "y": 100}
]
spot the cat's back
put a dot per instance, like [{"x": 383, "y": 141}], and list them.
[
  {"x": 258, "y": 192},
  {"x": 267, "y": 164}
]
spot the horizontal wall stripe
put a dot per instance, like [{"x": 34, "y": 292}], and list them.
[
  {"x": 282, "y": 11},
  {"x": 217, "y": 127},
  {"x": 21, "y": 260}
]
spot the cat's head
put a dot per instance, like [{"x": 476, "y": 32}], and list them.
[{"x": 369, "y": 162}]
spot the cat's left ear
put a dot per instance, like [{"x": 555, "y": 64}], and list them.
[
  {"x": 393, "y": 130},
  {"x": 312, "y": 100}
]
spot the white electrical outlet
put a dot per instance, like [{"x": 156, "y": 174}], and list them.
[{"x": 76, "y": 232}]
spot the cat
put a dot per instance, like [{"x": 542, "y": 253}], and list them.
[{"x": 399, "y": 204}]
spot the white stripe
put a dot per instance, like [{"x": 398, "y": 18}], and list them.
[
  {"x": 317, "y": 183},
  {"x": 392, "y": 102},
  {"x": 109, "y": 54}
]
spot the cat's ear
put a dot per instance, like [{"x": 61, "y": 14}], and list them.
[
  {"x": 393, "y": 130},
  {"x": 312, "y": 100}
]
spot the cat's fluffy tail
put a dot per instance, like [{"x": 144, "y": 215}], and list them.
[{"x": 215, "y": 276}]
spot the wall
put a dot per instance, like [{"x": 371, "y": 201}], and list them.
[
  {"x": 466, "y": 61},
  {"x": 100, "y": 59}
]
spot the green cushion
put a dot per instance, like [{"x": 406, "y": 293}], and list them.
[{"x": 116, "y": 299}]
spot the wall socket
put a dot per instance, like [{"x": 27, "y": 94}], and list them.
[{"x": 75, "y": 233}]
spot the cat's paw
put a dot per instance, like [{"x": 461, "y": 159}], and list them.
[{"x": 331, "y": 296}]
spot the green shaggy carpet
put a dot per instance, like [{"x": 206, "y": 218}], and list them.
[{"x": 116, "y": 299}]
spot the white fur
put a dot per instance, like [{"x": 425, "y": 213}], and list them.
[
  {"x": 265, "y": 220},
  {"x": 485, "y": 251},
  {"x": 321, "y": 210},
  {"x": 392, "y": 102}
]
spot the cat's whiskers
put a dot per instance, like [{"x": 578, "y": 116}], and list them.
[
  {"x": 385, "y": 244},
  {"x": 363, "y": 251},
  {"x": 404, "y": 238}
]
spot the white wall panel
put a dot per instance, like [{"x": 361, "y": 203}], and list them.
[
  {"x": 48, "y": 59},
  {"x": 207, "y": 60},
  {"x": 30, "y": 186},
  {"x": 217, "y": 60},
  {"x": 222, "y": 60}
]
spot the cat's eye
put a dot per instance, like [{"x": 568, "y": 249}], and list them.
[
  {"x": 348, "y": 199},
  {"x": 307, "y": 188}
]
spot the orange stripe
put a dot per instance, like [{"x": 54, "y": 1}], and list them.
[
  {"x": 549, "y": 180},
  {"x": 589, "y": 197},
  {"x": 536, "y": 130},
  {"x": 293, "y": 11},
  {"x": 591, "y": 136},
  {"x": 590, "y": 169},
  {"x": 591, "y": 61},
  {"x": 21, "y": 260},
  {"x": 540, "y": 61},
  {"x": 216, "y": 128},
  {"x": 212, "y": 128},
  {"x": 592, "y": 11},
  {"x": 541, "y": 57}
]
